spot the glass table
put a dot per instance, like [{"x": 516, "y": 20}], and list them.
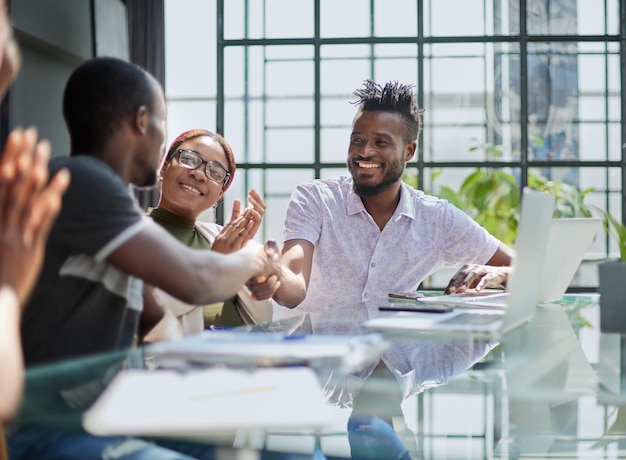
[{"x": 552, "y": 388}]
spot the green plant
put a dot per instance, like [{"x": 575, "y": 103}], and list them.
[
  {"x": 570, "y": 200},
  {"x": 615, "y": 229},
  {"x": 491, "y": 196}
]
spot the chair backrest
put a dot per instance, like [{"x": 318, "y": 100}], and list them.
[{"x": 4, "y": 454}]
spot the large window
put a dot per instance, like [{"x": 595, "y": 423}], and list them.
[{"x": 532, "y": 87}]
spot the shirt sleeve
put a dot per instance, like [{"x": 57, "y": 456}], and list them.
[
  {"x": 98, "y": 213},
  {"x": 466, "y": 241},
  {"x": 303, "y": 216}
]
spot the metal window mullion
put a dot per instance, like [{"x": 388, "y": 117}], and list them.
[
  {"x": 317, "y": 97},
  {"x": 622, "y": 33},
  {"x": 523, "y": 44},
  {"x": 219, "y": 109}
]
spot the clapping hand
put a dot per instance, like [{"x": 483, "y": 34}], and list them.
[
  {"x": 242, "y": 226},
  {"x": 28, "y": 207}
]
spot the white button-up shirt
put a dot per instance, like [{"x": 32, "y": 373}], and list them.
[{"x": 354, "y": 261}]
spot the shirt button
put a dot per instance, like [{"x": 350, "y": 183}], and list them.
[
  {"x": 373, "y": 264},
  {"x": 373, "y": 235},
  {"x": 367, "y": 296}
]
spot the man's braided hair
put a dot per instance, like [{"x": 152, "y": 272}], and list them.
[{"x": 393, "y": 97}]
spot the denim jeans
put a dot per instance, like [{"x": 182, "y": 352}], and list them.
[
  {"x": 39, "y": 443},
  {"x": 50, "y": 444},
  {"x": 371, "y": 438}
]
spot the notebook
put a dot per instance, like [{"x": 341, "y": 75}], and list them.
[
  {"x": 523, "y": 286},
  {"x": 568, "y": 241},
  {"x": 196, "y": 404},
  {"x": 261, "y": 349}
]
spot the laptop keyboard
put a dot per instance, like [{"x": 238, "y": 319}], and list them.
[{"x": 472, "y": 319}]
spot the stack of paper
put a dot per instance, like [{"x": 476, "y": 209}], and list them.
[
  {"x": 270, "y": 349},
  {"x": 208, "y": 402}
]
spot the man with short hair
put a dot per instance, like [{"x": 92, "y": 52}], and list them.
[
  {"x": 102, "y": 248},
  {"x": 360, "y": 237},
  {"x": 351, "y": 239},
  {"x": 90, "y": 295}
]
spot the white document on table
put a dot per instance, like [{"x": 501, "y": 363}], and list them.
[
  {"x": 209, "y": 401},
  {"x": 269, "y": 349}
]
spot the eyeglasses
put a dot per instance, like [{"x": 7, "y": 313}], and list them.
[{"x": 190, "y": 159}]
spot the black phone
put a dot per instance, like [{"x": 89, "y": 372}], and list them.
[
  {"x": 417, "y": 307},
  {"x": 409, "y": 295}
]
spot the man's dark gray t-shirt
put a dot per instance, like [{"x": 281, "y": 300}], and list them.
[{"x": 81, "y": 304}]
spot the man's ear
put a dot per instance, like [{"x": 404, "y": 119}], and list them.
[
  {"x": 410, "y": 151},
  {"x": 142, "y": 119}
]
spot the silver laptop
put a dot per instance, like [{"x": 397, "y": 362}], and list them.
[
  {"x": 524, "y": 284},
  {"x": 569, "y": 240},
  {"x": 567, "y": 244}
]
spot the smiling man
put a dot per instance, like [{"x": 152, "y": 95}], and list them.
[
  {"x": 350, "y": 239},
  {"x": 353, "y": 238}
]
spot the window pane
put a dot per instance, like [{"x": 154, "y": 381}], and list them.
[
  {"x": 342, "y": 76},
  {"x": 572, "y": 17},
  {"x": 471, "y": 17},
  {"x": 243, "y": 128},
  {"x": 334, "y": 144},
  {"x": 595, "y": 19},
  {"x": 395, "y": 18},
  {"x": 244, "y": 71},
  {"x": 275, "y": 186},
  {"x": 288, "y": 19},
  {"x": 475, "y": 110},
  {"x": 268, "y": 19},
  {"x": 592, "y": 141},
  {"x": 289, "y": 146},
  {"x": 396, "y": 62},
  {"x": 260, "y": 70},
  {"x": 347, "y": 18}
]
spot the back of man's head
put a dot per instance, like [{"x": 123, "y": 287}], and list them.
[
  {"x": 393, "y": 97},
  {"x": 98, "y": 97}
]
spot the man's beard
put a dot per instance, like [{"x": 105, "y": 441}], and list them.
[{"x": 389, "y": 179}]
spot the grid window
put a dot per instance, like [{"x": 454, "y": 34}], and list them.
[{"x": 532, "y": 88}]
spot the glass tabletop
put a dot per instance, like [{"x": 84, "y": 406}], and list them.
[{"x": 551, "y": 388}]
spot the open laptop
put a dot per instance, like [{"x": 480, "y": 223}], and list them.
[
  {"x": 568, "y": 241},
  {"x": 523, "y": 286}
]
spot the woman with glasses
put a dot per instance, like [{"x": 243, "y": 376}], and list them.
[{"x": 194, "y": 175}]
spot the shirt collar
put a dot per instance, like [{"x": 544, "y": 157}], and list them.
[{"x": 405, "y": 206}]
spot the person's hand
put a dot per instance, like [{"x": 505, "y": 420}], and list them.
[
  {"x": 477, "y": 277},
  {"x": 265, "y": 285},
  {"x": 28, "y": 207},
  {"x": 242, "y": 226},
  {"x": 10, "y": 59}
]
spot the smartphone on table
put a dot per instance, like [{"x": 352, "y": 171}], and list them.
[
  {"x": 408, "y": 295},
  {"x": 419, "y": 307}
]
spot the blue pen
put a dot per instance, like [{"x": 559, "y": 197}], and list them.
[
  {"x": 213, "y": 327},
  {"x": 295, "y": 337}
]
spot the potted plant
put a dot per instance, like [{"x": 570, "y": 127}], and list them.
[{"x": 612, "y": 280}]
